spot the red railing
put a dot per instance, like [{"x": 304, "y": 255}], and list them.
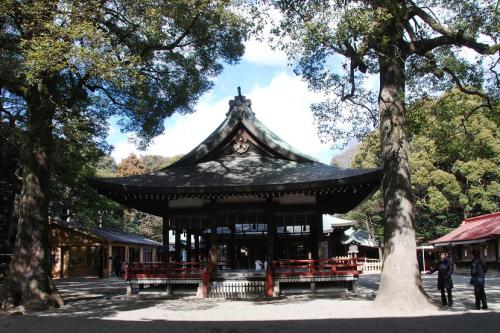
[
  {"x": 171, "y": 270},
  {"x": 317, "y": 267}
]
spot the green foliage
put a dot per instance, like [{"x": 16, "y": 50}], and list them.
[
  {"x": 454, "y": 160},
  {"x": 157, "y": 162},
  {"x": 106, "y": 167},
  {"x": 142, "y": 61},
  {"x": 138, "y": 60}
]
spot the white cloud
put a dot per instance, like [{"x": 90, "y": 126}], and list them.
[
  {"x": 283, "y": 106},
  {"x": 260, "y": 53},
  {"x": 188, "y": 131},
  {"x": 122, "y": 149}
]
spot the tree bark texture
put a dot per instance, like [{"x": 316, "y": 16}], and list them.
[
  {"x": 400, "y": 285},
  {"x": 28, "y": 279}
]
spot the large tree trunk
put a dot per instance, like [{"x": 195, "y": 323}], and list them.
[
  {"x": 28, "y": 282},
  {"x": 400, "y": 285},
  {"x": 9, "y": 184}
]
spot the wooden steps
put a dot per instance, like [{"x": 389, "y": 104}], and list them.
[{"x": 236, "y": 289}]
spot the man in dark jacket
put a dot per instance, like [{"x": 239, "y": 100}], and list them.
[
  {"x": 444, "y": 269},
  {"x": 477, "y": 271}
]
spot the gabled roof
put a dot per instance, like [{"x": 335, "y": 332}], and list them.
[
  {"x": 358, "y": 236},
  {"x": 240, "y": 117},
  {"x": 241, "y": 157},
  {"x": 110, "y": 235},
  {"x": 475, "y": 228}
]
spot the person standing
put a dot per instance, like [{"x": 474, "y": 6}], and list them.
[
  {"x": 444, "y": 282},
  {"x": 478, "y": 271}
]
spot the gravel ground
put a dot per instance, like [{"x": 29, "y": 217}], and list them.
[{"x": 95, "y": 305}]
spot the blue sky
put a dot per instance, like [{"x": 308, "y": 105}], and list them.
[{"x": 279, "y": 99}]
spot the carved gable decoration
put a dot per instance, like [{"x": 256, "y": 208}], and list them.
[{"x": 241, "y": 144}]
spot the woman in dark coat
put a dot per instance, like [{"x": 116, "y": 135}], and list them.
[
  {"x": 444, "y": 269},
  {"x": 477, "y": 271}
]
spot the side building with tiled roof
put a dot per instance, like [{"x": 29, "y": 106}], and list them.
[
  {"x": 79, "y": 251},
  {"x": 481, "y": 233}
]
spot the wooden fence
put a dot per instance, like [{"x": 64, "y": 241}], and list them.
[{"x": 367, "y": 265}]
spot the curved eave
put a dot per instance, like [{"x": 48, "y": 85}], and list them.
[{"x": 113, "y": 185}]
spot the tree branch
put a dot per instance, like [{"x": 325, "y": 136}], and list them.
[
  {"x": 12, "y": 118},
  {"x": 106, "y": 92},
  {"x": 176, "y": 43},
  {"x": 465, "y": 90},
  {"x": 449, "y": 37},
  {"x": 492, "y": 69},
  {"x": 438, "y": 73},
  {"x": 372, "y": 115}
]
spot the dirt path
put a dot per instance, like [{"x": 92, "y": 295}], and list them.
[{"x": 101, "y": 306}]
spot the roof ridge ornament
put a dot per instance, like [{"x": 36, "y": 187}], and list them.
[{"x": 240, "y": 105}]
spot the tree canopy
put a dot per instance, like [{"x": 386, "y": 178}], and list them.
[
  {"x": 63, "y": 63},
  {"x": 416, "y": 48},
  {"x": 452, "y": 178},
  {"x": 142, "y": 61}
]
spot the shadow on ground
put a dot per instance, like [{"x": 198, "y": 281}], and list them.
[{"x": 480, "y": 322}]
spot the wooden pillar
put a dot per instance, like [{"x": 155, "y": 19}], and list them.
[
  {"x": 64, "y": 263},
  {"x": 141, "y": 254},
  {"x": 154, "y": 254},
  {"x": 232, "y": 243},
  {"x": 109, "y": 260},
  {"x": 127, "y": 256},
  {"x": 166, "y": 238},
  {"x": 213, "y": 223},
  {"x": 316, "y": 233},
  {"x": 213, "y": 234},
  {"x": 197, "y": 245},
  {"x": 177, "y": 256},
  {"x": 271, "y": 231},
  {"x": 271, "y": 240},
  {"x": 188, "y": 244},
  {"x": 286, "y": 242}
]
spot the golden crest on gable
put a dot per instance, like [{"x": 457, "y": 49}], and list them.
[{"x": 240, "y": 144}]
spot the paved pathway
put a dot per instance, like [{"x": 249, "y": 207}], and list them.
[{"x": 95, "y": 305}]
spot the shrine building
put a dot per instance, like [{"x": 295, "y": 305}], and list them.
[{"x": 249, "y": 196}]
